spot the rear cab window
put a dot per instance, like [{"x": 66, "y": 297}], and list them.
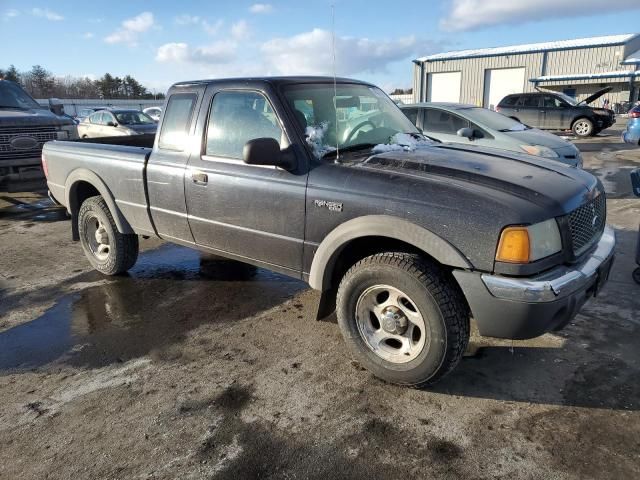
[{"x": 177, "y": 121}]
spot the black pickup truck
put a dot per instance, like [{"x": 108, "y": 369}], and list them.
[{"x": 407, "y": 239}]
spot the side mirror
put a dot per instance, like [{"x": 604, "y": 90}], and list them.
[
  {"x": 112, "y": 124},
  {"x": 266, "y": 151},
  {"x": 56, "y": 106},
  {"x": 477, "y": 133},
  {"x": 466, "y": 133},
  {"x": 635, "y": 181}
]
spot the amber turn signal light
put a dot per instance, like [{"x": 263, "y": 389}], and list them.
[{"x": 514, "y": 245}]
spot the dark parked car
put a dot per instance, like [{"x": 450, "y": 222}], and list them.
[
  {"x": 406, "y": 240},
  {"x": 557, "y": 111}
]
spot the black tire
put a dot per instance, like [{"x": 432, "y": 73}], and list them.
[
  {"x": 583, "y": 128},
  {"x": 120, "y": 251},
  {"x": 434, "y": 296},
  {"x": 636, "y": 275}
]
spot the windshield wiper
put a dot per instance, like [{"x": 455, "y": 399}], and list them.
[{"x": 351, "y": 148}]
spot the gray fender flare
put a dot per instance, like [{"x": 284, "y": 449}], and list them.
[
  {"x": 83, "y": 175},
  {"x": 379, "y": 226}
]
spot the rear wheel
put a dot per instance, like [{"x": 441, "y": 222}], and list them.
[
  {"x": 583, "y": 127},
  {"x": 109, "y": 251},
  {"x": 403, "y": 318}
]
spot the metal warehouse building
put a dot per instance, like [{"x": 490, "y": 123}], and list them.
[{"x": 576, "y": 67}]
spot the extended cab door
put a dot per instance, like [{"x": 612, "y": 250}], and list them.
[
  {"x": 251, "y": 211},
  {"x": 167, "y": 166}
]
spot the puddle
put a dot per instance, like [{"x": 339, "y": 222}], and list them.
[
  {"x": 171, "y": 291},
  {"x": 41, "y": 211}
]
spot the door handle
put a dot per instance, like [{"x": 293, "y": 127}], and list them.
[{"x": 200, "y": 177}]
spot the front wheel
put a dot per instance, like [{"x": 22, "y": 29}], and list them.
[
  {"x": 403, "y": 318},
  {"x": 583, "y": 127},
  {"x": 109, "y": 251}
]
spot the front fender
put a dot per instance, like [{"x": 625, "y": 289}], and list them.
[
  {"x": 379, "y": 226},
  {"x": 82, "y": 175}
]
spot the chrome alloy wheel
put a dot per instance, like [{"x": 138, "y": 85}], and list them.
[
  {"x": 97, "y": 238},
  {"x": 582, "y": 128},
  {"x": 390, "y": 324}
]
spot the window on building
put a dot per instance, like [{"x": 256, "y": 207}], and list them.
[{"x": 236, "y": 118}]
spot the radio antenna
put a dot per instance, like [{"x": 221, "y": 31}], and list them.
[{"x": 335, "y": 85}]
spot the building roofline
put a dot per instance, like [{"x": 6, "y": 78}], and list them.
[{"x": 573, "y": 44}]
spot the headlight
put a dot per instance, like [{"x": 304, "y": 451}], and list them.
[
  {"x": 68, "y": 131},
  {"x": 528, "y": 244},
  {"x": 539, "y": 151}
]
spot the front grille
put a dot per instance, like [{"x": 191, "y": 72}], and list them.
[
  {"x": 40, "y": 134},
  {"x": 586, "y": 224}
]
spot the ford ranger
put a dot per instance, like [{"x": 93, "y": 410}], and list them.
[{"x": 407, "y": 239}]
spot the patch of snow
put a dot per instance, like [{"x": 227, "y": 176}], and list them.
[
  {"x": 518, "y": 128},
  {"x": 315, "y": 136},
  {"x": 532, "y": 47},
  {"x": 403, "y": 142},
  {"x": 586, "y": 76}
]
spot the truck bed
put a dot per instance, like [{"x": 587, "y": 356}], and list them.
[{"x": 118, "y": 162}]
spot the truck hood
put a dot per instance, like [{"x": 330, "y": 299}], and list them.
[
  {"x": 547, "y": 183},
  {"x": 31, "y": 118}
]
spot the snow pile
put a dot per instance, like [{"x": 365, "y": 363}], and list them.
[
  {"x": 315, "y": 135},
  {"x": 403, "y": 142}
]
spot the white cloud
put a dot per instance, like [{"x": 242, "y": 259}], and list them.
[
  {"x": 88, "y": 35},
  {"x": 261, "y": 8},
  {"x": 186, "y": 19},
  {"x": 311, "y": 53},
  {"x": 240, "y": 30},
  {"x": 215, "y": 53},
  {"x": 192, "y": 20},
  {"x": 477, "y": 14},
  {"x": 11, "y": 13},
  {"x": 46, "y": 13},
  {"x": 131, "y": 28},
  {"x": 212, "y": 28}
]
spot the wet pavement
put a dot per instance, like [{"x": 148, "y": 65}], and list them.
[{"x": 196, "y": 367}]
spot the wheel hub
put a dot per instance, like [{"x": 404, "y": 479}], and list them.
[{"x": 394, "y": 321}]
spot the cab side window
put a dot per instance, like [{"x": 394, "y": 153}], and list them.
[
  {"x": 237, "y": 117},
  {"x": 177, "y": 120},
  {"x": 442, "y": 122}
]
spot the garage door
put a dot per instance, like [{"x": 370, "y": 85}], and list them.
[
  {"x": 444, "y": 87},
  {"x": 500, "y": 82}
]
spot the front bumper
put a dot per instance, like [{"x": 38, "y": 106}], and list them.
[{"x": 519, "y": 308}]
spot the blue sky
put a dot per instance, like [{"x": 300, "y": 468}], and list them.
[{"x": 163, "y": 42}]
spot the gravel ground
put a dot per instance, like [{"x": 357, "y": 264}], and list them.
[{"x": 192, "y": 367}]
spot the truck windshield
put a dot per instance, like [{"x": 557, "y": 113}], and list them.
[
  {"x": 12, "y": 96},
  {"x": 352, "y": 115}
]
